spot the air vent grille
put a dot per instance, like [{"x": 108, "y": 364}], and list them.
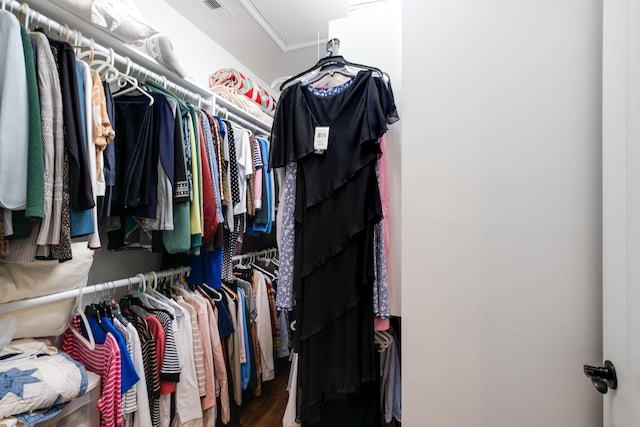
[{"x": 213, "y": 4}]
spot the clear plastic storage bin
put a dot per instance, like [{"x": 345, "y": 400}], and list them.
[{"x": 82, "y": 411}]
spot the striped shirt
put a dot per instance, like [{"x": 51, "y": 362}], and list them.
[
  {"x": 198, "y": 351},
  {"x": 104, "y": 360},
  {"x": 129, "y": 401},
  {"x": 170, "y": 369},
  {"x": 151, "y": 372}
]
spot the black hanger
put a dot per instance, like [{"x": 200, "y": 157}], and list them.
[
  {"x": 93, "y": 310},
  {"x": 106, "y": 310},
  {"x": 337, "y": 61},
  {"x": 138, "y": 302}
]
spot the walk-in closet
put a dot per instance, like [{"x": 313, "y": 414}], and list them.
[
  {"x": 341, "y": 213},
  {"x": 186, "y": 251}
]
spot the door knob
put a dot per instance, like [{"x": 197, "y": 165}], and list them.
[{"x": 603, "y": 378}]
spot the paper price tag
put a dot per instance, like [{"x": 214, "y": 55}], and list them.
[{"x": 321, "y": 139}]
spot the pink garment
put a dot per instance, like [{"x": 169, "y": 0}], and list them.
[
  {"x": 258, "y": 189},
  {"x": 196, "y": 301},
  {"x": 104, "y": 360},
  {"x": 383, "y": 324},
  {"x": 220, "y": 369}
]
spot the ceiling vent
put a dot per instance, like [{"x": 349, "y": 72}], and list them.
[
  {"x": 219, "y": 10},
  {"x": 213, "y": 4}
]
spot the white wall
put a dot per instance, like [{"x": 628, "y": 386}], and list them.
[
  {"x": 501, "y": 212},
  {"x": 199, "y": 54},
  {"x": 362, "y": 42}
]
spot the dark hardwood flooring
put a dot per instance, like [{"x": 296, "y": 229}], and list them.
[{"x": 267, "y": 409}]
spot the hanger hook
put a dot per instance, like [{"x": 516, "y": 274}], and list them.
[
  {"x": 67, "y": 32},
  {"x": 155, "y": 281},
  {"x": 143, "y": 282},
  {"x": 128, "y": 66},
  {"x": 112, "y": 58},
  {"x": 26, "y": 16},
  {"x": 92, "y": 47}
]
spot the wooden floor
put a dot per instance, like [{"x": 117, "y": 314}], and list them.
[{"x": 267, "y": 410}]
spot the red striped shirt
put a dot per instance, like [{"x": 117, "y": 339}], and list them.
[{"x": 104, "y": 360}]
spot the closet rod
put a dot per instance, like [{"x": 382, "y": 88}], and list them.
[
  {"x": 271, "y": 252},
  {"x": 131, "y": 61},
  {"x": 87, "y": 290},
  {"x": 235, "y": 114},
  {"x": 256, "y": 130}
]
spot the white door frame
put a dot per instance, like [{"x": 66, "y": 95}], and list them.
[{"x": 621, "y": 209}]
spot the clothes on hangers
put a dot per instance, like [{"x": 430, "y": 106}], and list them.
[{"x": 165, "y": 184}]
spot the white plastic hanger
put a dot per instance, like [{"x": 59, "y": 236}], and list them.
[
  {"x": 152, "y": 299},
  {"x": 106, "y": 67},
  {"x": 125, "y": 78},
  {"x": 90, "y": 343},
  {"x": 218, "y": 295}
]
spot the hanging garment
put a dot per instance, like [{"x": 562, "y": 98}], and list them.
[
  {"x": 188, "y": 409},
  {"x": 14, "y": 107},
  {"x": 263, "y": 324},
  {"x": 334, "y": 252},
  {"x": 390, "y": 384},
  {"x": 80, "y": 189},
  {"x": 191, "y": 126},
  {"x": 52, "y": 140},
  {"x": 109, "y": 159},
  {"x": 284, "y": 297},
  {"x": 104, "y": 360},
  {"x": 142, "y": 416},
  {"x": 220, "y": 369},
  {"x": 35, "y": 161},
  {"x": 198, "y": 352},
  {"x": 103, "y": 133},
  {"x": 151, "y": 370},
  {"x": 290, "y": 419},
  {"x": 200, "y": 306},
  {"x": 81, "y": 221}
]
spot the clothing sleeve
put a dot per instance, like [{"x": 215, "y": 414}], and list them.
[
  {"x": 387, "y": 100},
  {"x": 284, "y": 127}
]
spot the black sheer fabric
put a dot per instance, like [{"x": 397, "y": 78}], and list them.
[{"x": 337, "y": 206}]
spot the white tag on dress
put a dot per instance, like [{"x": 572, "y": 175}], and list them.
[{"x": 321, "y": 139}]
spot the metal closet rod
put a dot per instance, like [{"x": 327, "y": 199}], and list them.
[
  {"x": 271, "y": 252},
  {"x": 227, "y": 110},
  {"x": 31, "y": 15},
  {"x": 88, "y": 290},
  {"x": 223, "y": 113}
]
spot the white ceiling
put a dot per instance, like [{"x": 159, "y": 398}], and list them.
[
  {"x": 294, "y": 24},
  {"x": 273, "y": 38}
]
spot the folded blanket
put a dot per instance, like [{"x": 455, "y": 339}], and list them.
[
  {"x": 243, "y": 103},
  {"x": 236, "y": 80}
]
